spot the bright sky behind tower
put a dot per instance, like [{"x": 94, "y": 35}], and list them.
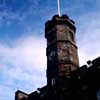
[{"x": 23, "y": 45}]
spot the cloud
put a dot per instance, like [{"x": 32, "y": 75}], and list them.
[
  {"x": 6, "y": 92},
  {"x": 28, "y": 50},
  {"x": 23, "y": 64},
  {"x": 88, "y": 36}
]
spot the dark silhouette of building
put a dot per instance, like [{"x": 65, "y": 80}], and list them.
[{"x": 66, "y": 80}]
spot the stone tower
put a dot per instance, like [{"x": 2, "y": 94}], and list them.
[{"x": 61, "y": 51}]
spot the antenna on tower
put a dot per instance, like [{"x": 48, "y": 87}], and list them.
[{"x": 59, "y": 11}]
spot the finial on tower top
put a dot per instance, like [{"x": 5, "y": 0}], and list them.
[{"x": 59, "y": 11}]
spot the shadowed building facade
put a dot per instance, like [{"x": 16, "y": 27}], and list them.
[
  {"x": 66, "y": 80},
  {"x": 62, "y": 56}
]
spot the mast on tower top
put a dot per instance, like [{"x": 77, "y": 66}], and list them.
[{"x": 59, "y": 11}]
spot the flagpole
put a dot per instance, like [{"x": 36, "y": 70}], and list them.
[{"x": 59, "y": 12}]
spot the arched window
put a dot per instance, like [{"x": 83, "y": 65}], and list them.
[
  {"x": 71, "y": 35},
  {"x": 53, "y": 82}
]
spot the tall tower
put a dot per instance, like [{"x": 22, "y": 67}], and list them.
[{"x": 61, "y": 51}]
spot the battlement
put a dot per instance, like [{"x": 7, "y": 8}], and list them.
[{"x": 56, "y": 20}]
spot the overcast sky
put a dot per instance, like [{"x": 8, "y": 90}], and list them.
[{"x": 22, "y": 42}]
